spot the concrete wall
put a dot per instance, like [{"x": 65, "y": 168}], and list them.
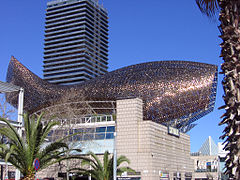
[
  {"x": 200, "y": 165},
  {"x": 151, "y": 150}
]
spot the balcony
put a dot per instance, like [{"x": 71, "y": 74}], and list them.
[
  {"x": 61, "y": 54},
  {"x": 48, "y": 64},
  {"x": 80, "y": 43},
  {"x": 66, "y": 68},
  {"x": 58, "y": 16},
  {"x": 62, "y": 42},
  {"x": 66, "y": 30},
  {"x": 67, "y": 7},
  {"x": 68, "y": 77},
  {"x": 63, "y": 37},
  {"x": 66, "y": 23}
]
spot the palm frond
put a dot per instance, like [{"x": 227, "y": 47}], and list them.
[
  {"x": 31, "y": 132},
  {"x": 105, "y": 162},
  {"x": 12, "y": 133},
  {"x": 8, "y": 154},
  {"x": 3, "y": 146},
  {"x": 125, "y": 169},
  {"x": 89, "y": 162},
  {"x": 68, "y": 136},
  {"x": 122, "y": 159},
  {"x": 21, "y": 151},
  {"x": 103, "y": 171},
  {"x": 17, "y": 161},
  {"x": 55, "y": 146},
  {"x": 208, "y": 7},
  {"x": 51, "y": 156},
  {"x": 36, "y": 134},
  {"x": 94, "y": 161},
  {"x": 47, "y": 128},
  {"x": 56, "y": 158}
]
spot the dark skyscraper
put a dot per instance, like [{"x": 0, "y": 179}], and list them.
[{"x": 76, "y": 41}]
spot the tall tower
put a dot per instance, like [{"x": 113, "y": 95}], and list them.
[{"x": 76, "y": 41}]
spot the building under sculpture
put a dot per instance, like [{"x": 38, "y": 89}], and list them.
[
  {"x": 137, "y": 102},
  {"x": 174, "y": 93}
]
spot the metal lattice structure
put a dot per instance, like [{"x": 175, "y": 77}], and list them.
[
  {"x": 19, "y": 95},
  {"x": 93, "y": 121},
  {"x": 9, "y": 88},
  {"x": 175, "y": 93}
]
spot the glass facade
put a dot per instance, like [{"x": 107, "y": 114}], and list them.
[
  {"x": 85, "y": 134},
  {"x": 95, "y": 139}
]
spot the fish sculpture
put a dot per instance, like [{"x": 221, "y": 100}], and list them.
[{"x": 172, "y": 91}]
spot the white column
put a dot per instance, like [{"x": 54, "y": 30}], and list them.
[
  {"x": 20, "y": 122},
  {"x": 115, "y": 156}
]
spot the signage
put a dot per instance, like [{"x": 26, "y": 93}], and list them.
[
  {"x": 134, "y": 173},
  {"x": 208, "y": 163},
  {"x": 128, "y": 178},
  {"x": 173, "y": 131},
  {"x": 36, "y": 164},
  {"x": 188, "y": 174},
  {"x": 163, "y": 174},
  {"x": 177, "y": 174}
]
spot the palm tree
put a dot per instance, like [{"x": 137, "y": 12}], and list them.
[
  {"x": 102, "y": 171},
  {"x": 22, "y": 151},
  {"x": 230, "y": 35}
]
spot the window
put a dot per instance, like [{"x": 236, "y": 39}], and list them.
[
  {"x": 100, "y": 136},
  {"x": 111, "y": 129},
  {"x": 101, "y": 129},
  {"x": 109, "y": 135}
]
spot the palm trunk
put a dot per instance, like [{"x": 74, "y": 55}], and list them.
[
  {"x": 29, "y": 177},
  {"x": 230, "y": 34}
]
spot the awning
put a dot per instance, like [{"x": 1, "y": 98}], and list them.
[{"x": 7, "y": 87}]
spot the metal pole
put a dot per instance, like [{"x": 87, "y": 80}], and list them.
[
  {"x": 1, "y": 172},
  {"x": 67, "y": 166},
  {"x": 6, "y": 173},
  {"x": 115, "y": 157},
  {"x": 90, "y": 176},
  {"x": 67, "y": 173},
  {"x": 2, "y": 165},
  {"x": 20, "y": 121}
]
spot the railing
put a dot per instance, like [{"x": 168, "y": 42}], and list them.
[{"x": 206, "y": 170}]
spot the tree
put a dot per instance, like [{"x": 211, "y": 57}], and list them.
[
  {"x": 102, "y": 171},
  {"x": 22, "y": 151},
  {"x": 68, "y": 113},
  {"x": 6, "y": 110},
  {"x": 230, "y": 52}
]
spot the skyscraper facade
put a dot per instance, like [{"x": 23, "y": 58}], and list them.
[{"x": 76, "y": 41}]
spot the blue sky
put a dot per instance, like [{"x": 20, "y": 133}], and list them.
[{"x": 139, "y": 31}]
